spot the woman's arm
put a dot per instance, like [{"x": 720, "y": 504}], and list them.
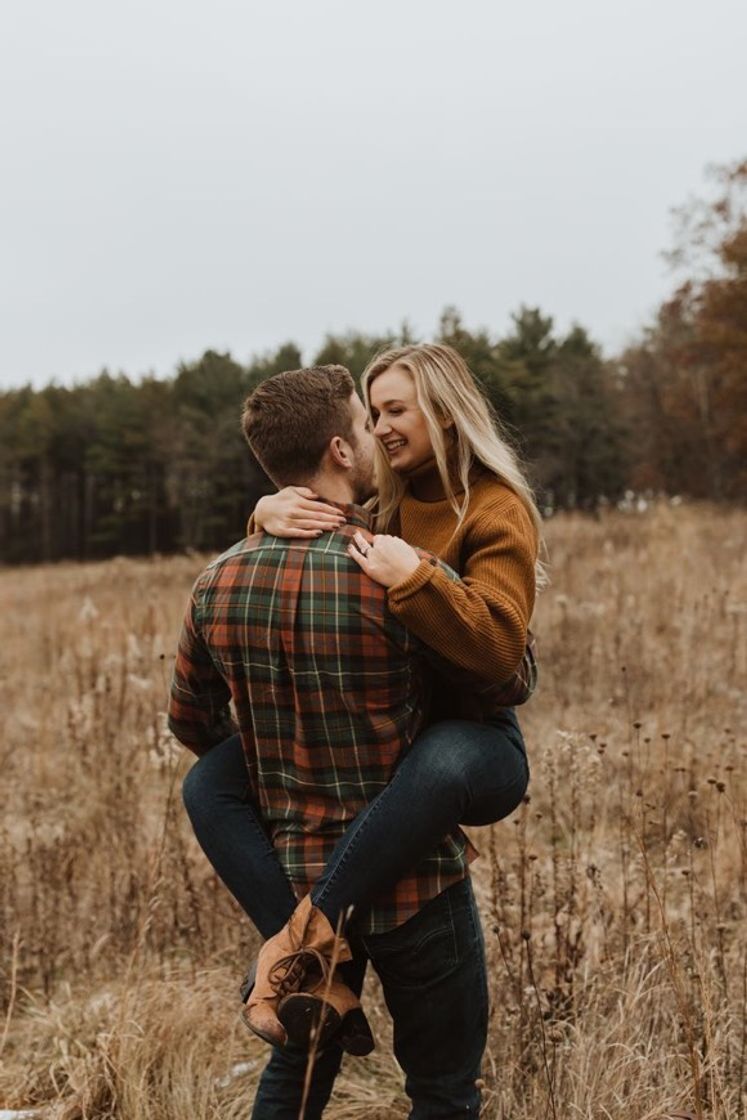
[
  {"x": 480, "y": 621},
  {"x": 294, "y": 511}
]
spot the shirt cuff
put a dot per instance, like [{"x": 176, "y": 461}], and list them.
[{"x": 423, "y": 574}]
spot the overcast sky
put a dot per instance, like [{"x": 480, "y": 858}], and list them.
[{"x": 184, "y": 175}]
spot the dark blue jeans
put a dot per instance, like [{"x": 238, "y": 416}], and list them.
[
  {"x": 432, "y": 971},
  {"x": 455, "y": 772}
]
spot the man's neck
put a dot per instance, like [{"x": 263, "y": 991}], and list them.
[{"x": 331, "y": 488}]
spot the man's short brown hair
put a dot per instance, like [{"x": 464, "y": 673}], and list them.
[{"x": 290, "y": 419}]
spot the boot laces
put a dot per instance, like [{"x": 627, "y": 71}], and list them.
[{"x": 289, "y": 972}]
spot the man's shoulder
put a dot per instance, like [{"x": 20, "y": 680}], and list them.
[
  {"x": 241, "y": 556},
  {"x": 315, "y": 555},
  {"x": 241, "y": 548}
]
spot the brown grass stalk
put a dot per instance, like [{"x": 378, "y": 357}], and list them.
[{"x": 628, "y": 865}]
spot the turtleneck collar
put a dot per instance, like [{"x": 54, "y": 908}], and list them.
[{"x": 424, "y": 482}]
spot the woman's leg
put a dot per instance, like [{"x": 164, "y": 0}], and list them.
[
  {"x": 456, "y": 772},
  {"x": 230, "y": 833}
]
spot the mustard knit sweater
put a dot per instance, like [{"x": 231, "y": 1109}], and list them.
[{"x": 481, "y": 622}]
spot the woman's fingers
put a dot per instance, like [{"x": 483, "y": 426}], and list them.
[
  {"x": 317, "y": 515},
  {"x": 313, "y": 524},
  {"x": 361, "y": 542},
  {"x": 360, "y": 559},
  {"x": 301, "y": 534},
  {"x": 319, "y": 509}
]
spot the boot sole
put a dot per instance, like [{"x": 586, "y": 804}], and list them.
[
  {"x": 306, "y": 1017},
  {"x": 301, "y": 1014}
]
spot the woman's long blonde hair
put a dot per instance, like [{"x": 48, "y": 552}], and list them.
[{"x": 446, "y": 389}]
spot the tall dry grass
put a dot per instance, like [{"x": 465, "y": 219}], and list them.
[{"x": 613, "y": 901}]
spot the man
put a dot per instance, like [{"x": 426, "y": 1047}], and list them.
[{"x": 329, "y": 690}]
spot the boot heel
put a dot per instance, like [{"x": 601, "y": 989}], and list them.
[
  {"x": 302, "y": 1014},
  {"x": 355, "y": 1035}
]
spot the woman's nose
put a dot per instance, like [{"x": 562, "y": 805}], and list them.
[{"x": 380, "y": 427}]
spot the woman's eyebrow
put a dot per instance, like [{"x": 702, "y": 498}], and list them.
[{"x": 395, "y": 400}]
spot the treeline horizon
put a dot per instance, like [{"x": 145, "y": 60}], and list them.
[{"x": 118, "y": 465}]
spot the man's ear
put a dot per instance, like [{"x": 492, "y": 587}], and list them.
[{"x": 339, "y": 453}]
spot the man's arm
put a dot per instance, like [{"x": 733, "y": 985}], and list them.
[{"x": 199, "y": 713}]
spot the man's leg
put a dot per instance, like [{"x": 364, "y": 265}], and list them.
[
  {"x": 433, "y": 973},
  {"x": 280, "y": 1089},
  {"x": 230, "y": 833}
]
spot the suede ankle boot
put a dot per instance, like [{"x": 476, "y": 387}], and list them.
[{"x": 307, "y": 946}]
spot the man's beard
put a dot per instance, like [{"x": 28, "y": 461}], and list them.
[{"x": 364, "y": 483}]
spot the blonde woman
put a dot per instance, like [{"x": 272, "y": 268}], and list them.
[{"x": 448, "y": 483}]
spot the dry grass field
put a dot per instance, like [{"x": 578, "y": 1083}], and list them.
[{"x": 614, "y": 902}]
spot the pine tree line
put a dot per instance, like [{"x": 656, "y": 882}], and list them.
[{"x": 122, "y": 466}]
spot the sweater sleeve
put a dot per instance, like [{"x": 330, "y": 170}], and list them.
[{"x": 480, "y": 621}]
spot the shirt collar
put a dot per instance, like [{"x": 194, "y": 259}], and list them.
[{"x": 354, "y": 515}]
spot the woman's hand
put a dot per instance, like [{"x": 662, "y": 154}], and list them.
[
  {"x": 388, "y": 560},
  {"x": 292, "y": 512}
]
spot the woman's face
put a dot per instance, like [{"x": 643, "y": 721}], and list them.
[{"x": 399, "y": 422}]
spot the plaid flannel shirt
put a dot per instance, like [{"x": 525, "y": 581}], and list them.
[{"x": 329, "y": 691}]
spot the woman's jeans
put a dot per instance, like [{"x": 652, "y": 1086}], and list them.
[{"x": 456, "y": 772}]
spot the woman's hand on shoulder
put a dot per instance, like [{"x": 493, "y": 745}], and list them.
[
  {"x": 387, "y": 560},
  {"x": 295, "y": 512}
]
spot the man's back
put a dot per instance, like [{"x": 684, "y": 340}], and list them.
[{"x": 329, "y": 690}]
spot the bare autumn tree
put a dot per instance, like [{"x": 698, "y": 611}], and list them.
[{"x": 686, "y": 382}]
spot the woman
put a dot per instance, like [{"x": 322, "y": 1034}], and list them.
[{"x": 449, "y": 483}]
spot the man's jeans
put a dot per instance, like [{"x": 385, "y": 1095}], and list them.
[
  {"x": 432, "y": 966},
  {"x": 432, "y": 971}
]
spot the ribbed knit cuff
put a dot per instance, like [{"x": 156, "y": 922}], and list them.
[{"x": 423, "y": 574}]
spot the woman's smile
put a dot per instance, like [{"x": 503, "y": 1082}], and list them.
[
  {"x": 394, "y": 445},
  {"x": 400, "y": 425}
]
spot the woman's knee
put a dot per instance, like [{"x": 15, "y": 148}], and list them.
[
  {"x": 494, "y": 804},
  {"x": 452, "y": 752},
  {"x": 477, "y": 758}
]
